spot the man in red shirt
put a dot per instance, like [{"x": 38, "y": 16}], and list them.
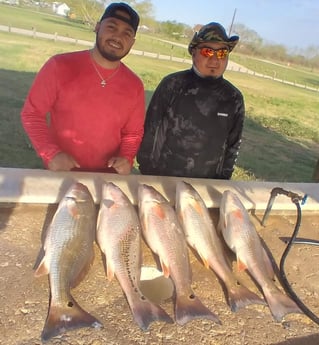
[{"x": 85, "y": 109}]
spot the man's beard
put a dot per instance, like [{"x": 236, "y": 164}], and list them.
[{"x": 108, "y": 55}]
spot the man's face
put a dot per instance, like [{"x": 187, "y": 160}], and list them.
[
  {"x": 210, "y": 59},
  {"x": 114, "y": 37}
]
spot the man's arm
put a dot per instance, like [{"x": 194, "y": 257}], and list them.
[
  {"x": 37, "y": 105},
  {"x": 131, "y": 135},
  {"x": 149, "y": 151}
]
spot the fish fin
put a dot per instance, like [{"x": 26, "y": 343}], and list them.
[
  {"x": 39, "y": 258},
  {"x": 145, "y": 312},
  {"x": 204, "y": 259},
  {"x": 221, "y": 226},
  {"x": 241, "y": 266},
  {"x": 63, "y": 318},
  {"x": 158, "y": 210},
  {"x": 281, "y": 304},
  {"x": 195, "y": 205},
  {"x": 188, "y": 308},
  {"x": 42, "y": 269},
  {"x": 206, "y": 263},
  {"x": 71, "y": 207},
  {"x": 108, "y": 203},
  {"x": 110, "y": 271},
  {"x": 238, "y": 214},
  {"x": 239, "y": 297},
  {"x": 165, "y": 269}
]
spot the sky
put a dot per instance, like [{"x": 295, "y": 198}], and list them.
[{"x": 292, "y": 23}]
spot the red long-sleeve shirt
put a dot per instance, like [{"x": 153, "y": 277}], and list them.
[{"x": 90, "y": 122}]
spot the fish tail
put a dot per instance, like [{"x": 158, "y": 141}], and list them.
[
  {"x": 281, "y": 305},
  {"x": 188, "y": 308},
  {"x": 61, "y": 319},
  {"x": 239, "y": 297},
  {"x": 145, "y": 312}
]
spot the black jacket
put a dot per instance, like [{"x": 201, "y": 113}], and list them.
[{"x": 193, "y": 128}]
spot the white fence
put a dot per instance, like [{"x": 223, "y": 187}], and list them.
[{"x": 232, "y": 66}]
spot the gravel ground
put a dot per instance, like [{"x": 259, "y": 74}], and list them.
[{"x": 24, "y": 299}]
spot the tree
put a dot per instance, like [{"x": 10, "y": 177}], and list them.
[
  {"x": 88, "y": 11},
  {"x": 144, "y": 8},
  {"x": 247, "y": 36}
]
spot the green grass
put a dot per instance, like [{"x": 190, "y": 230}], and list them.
[
  {"x": 28, "y": 18},
  {"x": 289, "y": 110},
  {"x": 31, "y": 18},
  {"x": 287, "y": 72},
  {"x": 281, "y": 135}
]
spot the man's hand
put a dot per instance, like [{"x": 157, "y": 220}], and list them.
[
  {"x": 62, "y": 162},
  {"x": 120, "y": 164}
]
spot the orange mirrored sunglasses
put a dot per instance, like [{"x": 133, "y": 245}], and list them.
[{"x": 220, "y": 53}]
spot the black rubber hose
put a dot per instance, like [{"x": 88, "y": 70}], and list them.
[{"x": 285, "y": 282}]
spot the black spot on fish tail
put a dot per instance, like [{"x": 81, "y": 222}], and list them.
[
  {"x": 188, "y": 308},
  {"x": 239, "y": 297},
  {"x": 60, "y": 320}
]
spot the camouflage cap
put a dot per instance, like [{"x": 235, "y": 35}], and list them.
[{"x": 212, "y": 32}]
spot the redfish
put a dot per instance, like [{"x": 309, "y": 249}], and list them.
[
  {"x": 68, "y": 253},
  {"x": 242, "y": 238},
  {"x": 166, "y": 238},
  {"x": 201, "y": 235},
  {"x": 119, "y": 237}
]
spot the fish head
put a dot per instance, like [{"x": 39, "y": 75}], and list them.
[
  {"x": 230, "y": 202},
  {"x": 150, "y": 202},
  {"x": 112, "y": 194},
  {"x": 233, "y": 216},
  {"x": 78, "y": 195},
  {"x": 184, "y": 190},
  {"x": 147, "y": 193},
  {"x": 187, "y": 196},
  {"x": 78, "y": 192}
]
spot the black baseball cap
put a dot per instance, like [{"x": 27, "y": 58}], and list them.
[{"x": 112, "y": 11}]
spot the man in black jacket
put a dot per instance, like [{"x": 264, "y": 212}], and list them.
[{"x": 194, "y": 121}]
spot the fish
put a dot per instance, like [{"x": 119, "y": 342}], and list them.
[
  {"x": 201, "y": 235},
  {"x": 68, "y": 252},
  {"x": 119, "y": 238},
  {"x": 165, "y": 237},
  {"x": 242, "y": 238}
]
